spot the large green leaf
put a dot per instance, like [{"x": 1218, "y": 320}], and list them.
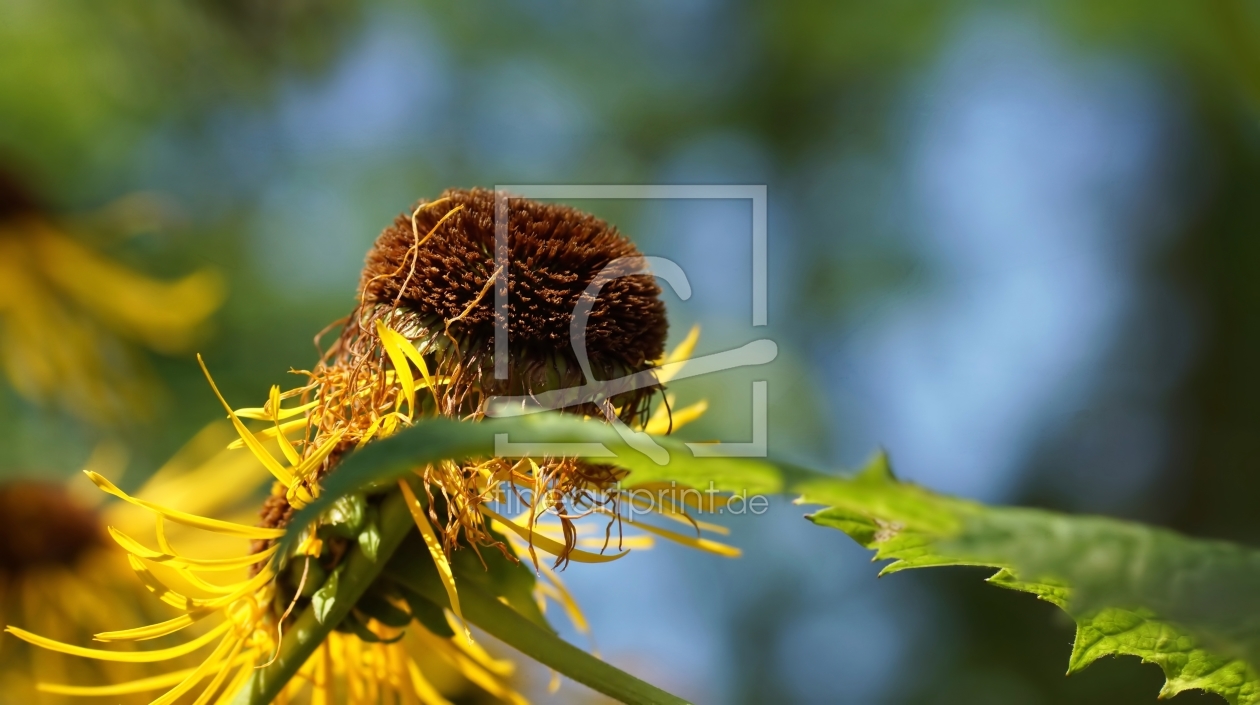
[{"x": 1192, "y": 607}]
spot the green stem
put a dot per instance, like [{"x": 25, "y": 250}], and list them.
[
  {"x": 307, "y": 633},
  {"x": 508, "y": 626}
]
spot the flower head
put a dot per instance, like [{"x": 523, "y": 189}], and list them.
[
  {"x": 418, "y": 346},
  {"x": 430, "y": 277}
]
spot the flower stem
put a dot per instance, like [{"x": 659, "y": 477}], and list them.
[
  {"x": 307, "y": 632},
  {"x": 542, "y": 645}
]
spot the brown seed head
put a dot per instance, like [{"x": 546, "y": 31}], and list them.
[{"x": 554, "y": 253}]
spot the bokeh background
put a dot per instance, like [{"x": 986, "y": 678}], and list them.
[{"x": 1015, "y": 244}]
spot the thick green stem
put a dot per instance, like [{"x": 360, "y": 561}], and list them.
[
  {"x": 508, "y": 626},
  {"x": 307, "y": 632}
]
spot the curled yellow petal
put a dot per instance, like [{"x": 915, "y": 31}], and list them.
[
  {"x": 122, "y": 656},
  {"x": 154, "y": 631},
  {"x": 183, "y": 602},
  {"x": 142, "y": 685},
  {"x": 134, "y": 547},
  {"x": 214, "y": 525},
  {"x": 553, "y": 547}
]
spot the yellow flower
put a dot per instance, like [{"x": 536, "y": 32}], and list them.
[
  {"x": 69, "y": 317},
  {"x": 395, "y": 363},
  {"x": 60, "y": 574}
]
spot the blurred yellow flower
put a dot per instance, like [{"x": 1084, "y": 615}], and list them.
[
  {"x": 70, "y": 317},
  {"x": 347, "y": 668},
  {"x": 60, "y": 575}
]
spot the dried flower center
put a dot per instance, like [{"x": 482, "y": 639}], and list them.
[
  {"x": 554, "y": 252},
  {"x": 41, "y": 525}
]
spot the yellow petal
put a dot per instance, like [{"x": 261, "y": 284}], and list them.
[
  {"x": 416, "y": 358},
  {"x": 666, "y": 508},
  {"x": 566, "y": 600},
  {"x": 624, "y": 542},
  {"x": 213, "y": 686},
  {"x": 424, "y": 690},
  {"x": 131, "y": 687},
  {"x": 214, "y": 525},
  {"x": 435, "y": 550},
  {"x": 679, "y": 354},
  {"x": 123, "y": 656},
  {"x": 370, "y": 432},
  {"x": 230, "y": 644},
  {"x": 666, "y": 419},
  {"x": 188, "y": 604},
  {"x": 271, "y": 414},
  {"x": 308, "y": 466},
  {"x": 286, "y": 447},
  {"x": 390, "y": 342},
  {"x": 270, "y": 432},
  {"x": 555, "y": 548},
  {"x": 703, "y": 544},
  {"x": 154, "y": 631},
  {"x": 201, "y": 564},
  {"x": 255, "y": 446}
]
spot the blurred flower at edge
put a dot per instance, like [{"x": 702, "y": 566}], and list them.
[
  {"x": 60, "y": 574},
  {"x": 67, "y": 314}
]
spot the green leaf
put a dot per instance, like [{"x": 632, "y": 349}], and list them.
[
  {"x": 375, "y": 605},
  {"x": 325, "y": 597},
  {"x": 345, "y": 516},
  {"x": 429, "y": 615},
  {"x": 1192, "y": 607},
  {"x": 370, "y": 536},
  {"x": 500, "y": 576}
]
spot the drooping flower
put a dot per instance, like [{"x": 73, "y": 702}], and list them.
[
  {"x": 71, "y": 319},
  {"x": 420, "y": 345}
]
